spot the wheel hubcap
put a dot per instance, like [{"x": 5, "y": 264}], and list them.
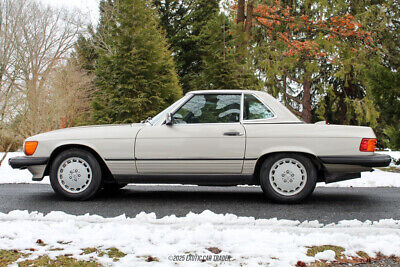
[
  {"x": 74, "y": 175},
  {"x": 288, "y": 176}
]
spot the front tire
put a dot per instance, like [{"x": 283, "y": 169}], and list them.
[
  {"x": 288, "y": 177},
  {"x": 75, "y": 174}
]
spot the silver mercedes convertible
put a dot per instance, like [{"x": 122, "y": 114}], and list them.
[{"x": 215, "y": 138}]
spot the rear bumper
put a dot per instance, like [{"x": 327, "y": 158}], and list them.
[
  {"x": 25, "y": 162},
  {"x": 364, "y": 161}
]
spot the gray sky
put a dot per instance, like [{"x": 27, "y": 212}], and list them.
[{"x": 89, "y": 7}]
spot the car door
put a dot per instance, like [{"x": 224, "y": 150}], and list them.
[{"x": 206, "y": 137}]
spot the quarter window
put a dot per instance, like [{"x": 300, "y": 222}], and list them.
[
  {"x": 209, "y": 108},
  {"x": 254, "y": 109}
]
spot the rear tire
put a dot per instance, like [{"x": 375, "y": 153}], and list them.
[
  {"x": 75, "y": 174},
  {"x": 288, "y": 177}
]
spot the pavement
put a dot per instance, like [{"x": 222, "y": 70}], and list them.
[{"x": 326, "y": 205}]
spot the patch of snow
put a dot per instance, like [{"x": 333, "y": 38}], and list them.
[
  {"x": 377, "y": 178},
  {"x": 328, "y": 255},
  {"x": 394, "y": 154},
  {"x": 246, "y": 239},
  {"x": 9, "y": 175}
]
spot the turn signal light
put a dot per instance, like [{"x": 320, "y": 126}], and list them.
[
  {"x": 368, "y": 145},
  {"x": 30, "y": 147}
]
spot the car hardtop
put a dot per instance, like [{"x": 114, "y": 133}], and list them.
[{"x": 223, "y": 91}]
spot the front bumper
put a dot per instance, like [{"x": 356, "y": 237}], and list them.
[
  {"x": 364, "y": 161},
  {"x": 25, "y": 162}
]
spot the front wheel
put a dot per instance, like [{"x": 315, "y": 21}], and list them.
[
  {"x": 288, "y": 177},
  {"x": 75, "y": 174}
]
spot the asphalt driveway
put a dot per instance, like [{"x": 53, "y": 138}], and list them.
[{"x": 325, "y": 205}]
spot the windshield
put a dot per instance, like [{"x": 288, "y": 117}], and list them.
[{"x": 163, "y": 113}]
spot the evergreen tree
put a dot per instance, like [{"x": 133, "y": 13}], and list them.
[
  {"x": 221, "y": 68},
  {"x": 85, "y": 53},
  {"x": 135, "y": 72},
  {"x": 384, "y": 76},
  {"x": 298, "y": 41},
  {"x": 385, "y": 85},
  {"x": 183, "y": 20}
]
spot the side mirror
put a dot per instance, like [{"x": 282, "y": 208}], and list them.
[{"x": 168, "y": 119}]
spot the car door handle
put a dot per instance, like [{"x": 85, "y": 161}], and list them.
[{"x": 233, "y": 134}]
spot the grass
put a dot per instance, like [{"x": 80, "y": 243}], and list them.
[
  {"x": 58, "y": 262},
  {"x": 9, "y": 256},
  {"x": 56, "y": 249},
  {"x": 89, "y": 251},
  {"x": 320, "y": 264},
  {"x": 362, "y": 254},
  {"x": 316, "y": 249},
  {"x": 341, "y": 260},
  {"x": 113, "y": 252}
]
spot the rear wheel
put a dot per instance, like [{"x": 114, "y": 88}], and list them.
[
  {"x": 288, "y": 177},
  {"x": 75, "y": 174}
]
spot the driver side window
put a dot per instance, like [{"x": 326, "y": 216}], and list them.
[{"x": 209, "y": 108}]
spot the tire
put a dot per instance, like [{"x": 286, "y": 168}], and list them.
[
  {"x": 75, "y": 174},
  {"x": 288, "y": 177}
]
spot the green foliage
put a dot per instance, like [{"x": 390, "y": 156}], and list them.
[
  {"x": 135, "y": 72},
  {"x": 385, "y": 88},
  {"x": 347, "y": 96},
  {"x": 183, "y": 22},
  {"x": 334, "y": 76},
  {"x": 85, "y": 53},
  {"x": 222, "y": 68}
]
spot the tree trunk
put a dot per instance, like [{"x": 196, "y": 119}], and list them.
[
  {"x": 306, "y": 113},
  {"x": 240, "y": 11},
  {"x": 5, "y": 153},
  {"x": 249, "y": 17}
]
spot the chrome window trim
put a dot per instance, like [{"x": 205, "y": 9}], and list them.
[{"x": 216, "y": 123}]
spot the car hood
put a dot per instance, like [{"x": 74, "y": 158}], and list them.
[{"x": 109, "y": 131}]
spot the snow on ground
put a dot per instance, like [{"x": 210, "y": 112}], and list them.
[
  {"x": 394, "y": 154},
  {"x": 245, "y": 239},
  {"x": 9, "y": 175},
  {"x": 377, "y": 178}
]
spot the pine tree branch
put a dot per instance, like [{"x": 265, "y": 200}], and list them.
[
  {"x": 295, "y": 99},
  {"x": 291, "y": 77},
  {"x": 294, "y": 111}
]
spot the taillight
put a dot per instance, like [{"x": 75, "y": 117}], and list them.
[
  {"x": 368, "y": 145},
  {"x": 30, "y": 147}
]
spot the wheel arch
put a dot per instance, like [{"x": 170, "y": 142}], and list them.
[
  {"x": 107, "y": 175},
  {"x": 314, "y": 159}
]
